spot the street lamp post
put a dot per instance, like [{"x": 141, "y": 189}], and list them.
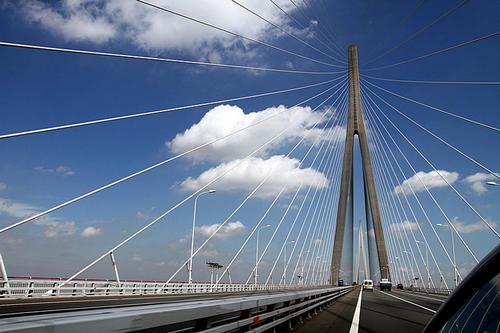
[
  {"x": 426, "y": 264},
  {"x": 493, "y": 184},
  {"x": 455, "y": 275},
  {"x": 284, "y": 261},
  {"x": 257, "y": 253},
  {"x": 190, "y": 270}
]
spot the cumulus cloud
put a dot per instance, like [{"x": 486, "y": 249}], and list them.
[
  {"x": 225, "y": 119},
  {"x": 252, "y": 171},
  {"x": 229, "y": 230},
  {"x": 142, "y": 216},
  {"x": 478, "y": 181},
  {"x": 100, "y": 21},
  {"x": 61, "y": 170},
  {"x": 464, "y": 228},
  {"x": 430, "y": 179},
  {"x": 91, "y": 232},
  {"x": 54, "y": 226},
  {"x": 401, "y": 227},
  {"x": 3, "y": 187}
]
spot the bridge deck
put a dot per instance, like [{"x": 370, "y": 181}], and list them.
[{"x": 380, "y": 312}]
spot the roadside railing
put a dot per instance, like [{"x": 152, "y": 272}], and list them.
[{"x": 19, "y": 287}]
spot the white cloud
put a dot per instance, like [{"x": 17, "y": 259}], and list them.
[
  {"x": 61, "y": 170},
  {"x": 478, "y": 181},
  {"x": 398, "y": 229},
  {"x": 91, "y": 232},
  {"x": 136, "y": 258},
  {"x": 225, "y": 119},
  {"x": 251, "y": 172},
  {"x": 430, "y": 179},
  {"x": 55, "y": 227},
  {"x": 471, "y": 227},
  {"x": 229, "y": 230},
  {"x": 3, "y": 187},
  {"x": 100, "y": 21},
  {"x": 142, "y": 216}
]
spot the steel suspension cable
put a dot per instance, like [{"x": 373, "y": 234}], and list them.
[
  {"x": 240, "y": 205},
  {"x": 435, "y": 108},
  {"x": 171, "y": 60},
  {"x": 412, "y": 190},
  {"x": 425, "y": 187},
  {"x": 154, "y": 166},
  {"x": 304, "y": 27},
  {"x": 485, "y": 83},
  {"x": 271, "y": 205},
  {"x": 433, "y": 53},
  {"x": 149, "y": 113},
  {"x": 437, "y": 171},
  {"x": 237, "y": 34},
  {"x": 285, "y": 31},
  {"x": 420, "y": 31}
]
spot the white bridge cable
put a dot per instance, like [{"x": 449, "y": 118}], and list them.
[
  {"x": 297, "y": 238},
  {"x": 480, "y": 83},
  {"x": 411, "y": 187},
  {"x": 317, "y": 27},
  {"x": 400, "y": 25},
  {"x": 147, "y": 226},
  {"x": 177, "y": 108},
  {"x": 380, "y": 148},
  {"x": 274, "y": 233},
  {"x": 426, "y": 189},
  {"x": 381, "y": 166},
  {"x": 241, "y": 204},
  {"x": 237, "y": 34},
  {"x": 442, "y": 140},
  {"x": 433, "y": 107},
  {"x": 228, "y": 266},
  {"x": 293, "y": 224},
  {"x": 434, "y": 168},
  {"x": 434, "y": 53},
  {"x": 326, "y": 195},
  {"x": 327, "y": 201},
  {"x": 327, "y": 25},
  {"x": 327, "y": 250},
  {"x": 420, "y": 31},
  {"x": 304, "y": 27},
  {"x": 329, "y": 171},
  {"x": 286, "y": 32},
  {"x": 171, "y": 60},
  {"x": 155, "y": 165}
]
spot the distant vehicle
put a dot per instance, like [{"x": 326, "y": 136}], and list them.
[
  {"x": 385, "y": 284},
  {"x": 368, "y": 285},
  {"x": 400, "y": 286}
]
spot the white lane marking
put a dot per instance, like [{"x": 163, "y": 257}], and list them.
[
  {"x": 355, "y": 318},
  {"x": 409, "y": 302},
  {"x": 434, "y": 299}
]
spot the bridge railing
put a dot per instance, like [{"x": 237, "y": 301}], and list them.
[{"x": 40, "y": 287}]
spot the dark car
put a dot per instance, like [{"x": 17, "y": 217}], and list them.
[{"x": 399, "y": 286}]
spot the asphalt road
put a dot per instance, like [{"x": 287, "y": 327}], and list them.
[
  {"x": 45, "y": 305},
  {"x": 394, "y": 311}
]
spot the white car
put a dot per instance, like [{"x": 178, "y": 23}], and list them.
[{"x": 368, "y": 285}]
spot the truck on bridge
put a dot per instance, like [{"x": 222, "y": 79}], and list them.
[{"x": 385, "y": 284}]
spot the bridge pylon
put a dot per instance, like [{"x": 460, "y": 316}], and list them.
[{"x": 356, "y": 126}]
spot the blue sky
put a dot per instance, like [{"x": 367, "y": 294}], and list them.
[{"x": 42, "y": 89}]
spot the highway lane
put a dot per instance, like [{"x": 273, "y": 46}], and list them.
[
  {"x": 45, "y": 305},
  {"x": 394, "y": 311}
]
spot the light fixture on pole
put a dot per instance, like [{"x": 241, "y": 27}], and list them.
[
  {"x": 190, "y": 268},
  {"x": 455, "y": 272},
  {"x": 492, "y": 183},
  {"x": 257, "y": 253},
  {"x": 426, "y": 264}
]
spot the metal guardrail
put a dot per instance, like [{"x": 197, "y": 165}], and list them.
[
  {"x": 437, "y": 291},
  {"x": 257, "y": 313},
  {"x": 19, "y": 288}
]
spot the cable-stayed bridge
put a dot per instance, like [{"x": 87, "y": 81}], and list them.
[{"x": 216, "y": 182}]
